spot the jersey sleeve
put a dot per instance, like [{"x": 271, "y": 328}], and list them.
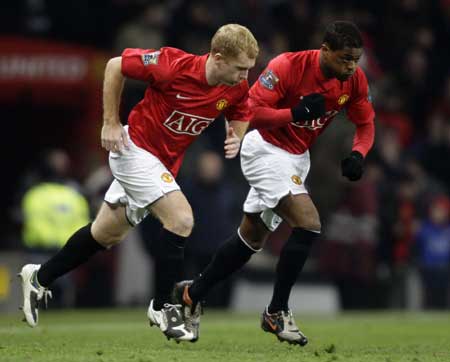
[
  {"x": 272, "y": 84},
  {"x": 150, "y": 65},
  {"x": 271, "y": 87},
  {"x": 360, "y": 112},
  {"x": 240, "y": 111}
]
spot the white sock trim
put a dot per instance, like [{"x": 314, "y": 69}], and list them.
[
  {"x": 315, "y": 231},
  {"x": 246, "y": 244}
]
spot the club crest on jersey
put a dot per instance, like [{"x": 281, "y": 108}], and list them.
[
  {"x": 342, "y": 99},
  {"x": 166, "y": 177},
  {"x": 150, "y": 58},
  {"x": 268, "y": 79},
  {"x": 296, "y": 179},
  {"x": 221, "y": 104},
  {"x": 185, "y": 123}
]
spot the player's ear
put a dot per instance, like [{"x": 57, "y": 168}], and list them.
[
  {"x": 219, "y": 59},
  {"x": 217, "y": 56},
  {"x": 325, "y": 48}
]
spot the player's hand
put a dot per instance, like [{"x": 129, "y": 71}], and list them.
[
  {"x": 353, "y": 166},
  {"x": 310, "y": 107},
  {"x": 232, "y": 143},
  {"x": 114, "y": 138}
]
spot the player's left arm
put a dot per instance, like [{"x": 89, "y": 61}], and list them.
[
  {"x": 239, "y": 115},
  {"x": 360, "y": 112},
  {"x": 239, "y": 128},
  {"x": 235, "y": 131}
]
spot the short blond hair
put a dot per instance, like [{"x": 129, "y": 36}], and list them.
[{"x": 232, "y": 39}]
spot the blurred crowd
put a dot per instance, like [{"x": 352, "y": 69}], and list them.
[{"x": 376, "y": 231}]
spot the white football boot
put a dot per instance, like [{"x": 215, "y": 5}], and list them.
[
  {"x": 33, "y": 293},
  {"x": 170, "y": 320}
]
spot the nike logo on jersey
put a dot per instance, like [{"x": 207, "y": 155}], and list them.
[
  {"x": 179, "y": 96},
  {"x": 307, "y": 109}
]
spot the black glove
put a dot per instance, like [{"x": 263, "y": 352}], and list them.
[
  {"x": 310, "y": 107},
  {"x": 353, "y": 166}
]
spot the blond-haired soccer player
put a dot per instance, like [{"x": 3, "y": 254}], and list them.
[{"x": 185, "y": 94}]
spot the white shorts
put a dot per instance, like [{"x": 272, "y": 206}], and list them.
[
  {"x": 140, "y": 180},
  {"x": 272, "y": 174}
]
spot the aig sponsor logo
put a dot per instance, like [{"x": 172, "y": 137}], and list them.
[
  {"x": 316, "y": 123},
  {"x": 185, "y": 123}
]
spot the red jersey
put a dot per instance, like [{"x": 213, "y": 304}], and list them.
[
  {"x": 292, "y": 75},
  {"x": 178, "y": 103}
]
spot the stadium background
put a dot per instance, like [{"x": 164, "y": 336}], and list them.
[{"x": 52, "y": 56}]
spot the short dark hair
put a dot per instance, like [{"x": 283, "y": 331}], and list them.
[{"x": 342, "y": 34}]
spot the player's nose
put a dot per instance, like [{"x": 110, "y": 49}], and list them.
[{"x": 351, "y": 67}]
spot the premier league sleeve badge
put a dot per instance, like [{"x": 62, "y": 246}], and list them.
[{"x": 268, "y": 79}]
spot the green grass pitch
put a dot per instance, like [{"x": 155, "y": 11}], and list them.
[{"x": 124, "y": 335}]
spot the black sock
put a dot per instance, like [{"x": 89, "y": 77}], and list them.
[
  {"x": 78, "y": 249},
  {"x": 230, "y": 257},
  {"x": 292, "y": 259},
  {"x": 168, "y": 258}
]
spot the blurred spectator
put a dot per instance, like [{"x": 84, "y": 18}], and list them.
[
  {"x": 392, "y": 115},
  {"x": 415, "y": 78},
  {"x": 294, "y": 19},
  {"x": 403, "y": 196},
  {"x": 214, "y": 204},
  {"x": 95, "y": 280},
  {"x": 96, "y": 184},
  {"x": 435, "y": 150},
  {"x": 52, "y": 210},
  {"x": 433, "y": 253},
  {"x": 348, "y": 253},
  {"x": 193, "y": 23},
  {"x": 146, "y": 31}
]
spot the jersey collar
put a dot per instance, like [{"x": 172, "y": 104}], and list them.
[{"x": 202, "y": 68}]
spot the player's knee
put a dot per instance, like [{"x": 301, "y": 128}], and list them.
[
  {"x": 314, "y": 225},
  {"x": 255, "y": 240},
  {"x": 256, "y": 244},
  {"x": 182, "y": 225},
  {"x": 106, "y": 237},
  {"x": 311, "y": 224}
]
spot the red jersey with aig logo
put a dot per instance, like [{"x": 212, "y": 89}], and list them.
[
  {"x": 178, "y": 103},
  {"x": 290, "y": 76}
]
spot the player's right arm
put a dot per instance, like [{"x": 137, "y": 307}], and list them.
[
  {"x": 155, "y": 67},
  {"x": 266, "y": 92},
  {"x": 272, "y": 86},
  {"x": 113, "y": 137}
]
